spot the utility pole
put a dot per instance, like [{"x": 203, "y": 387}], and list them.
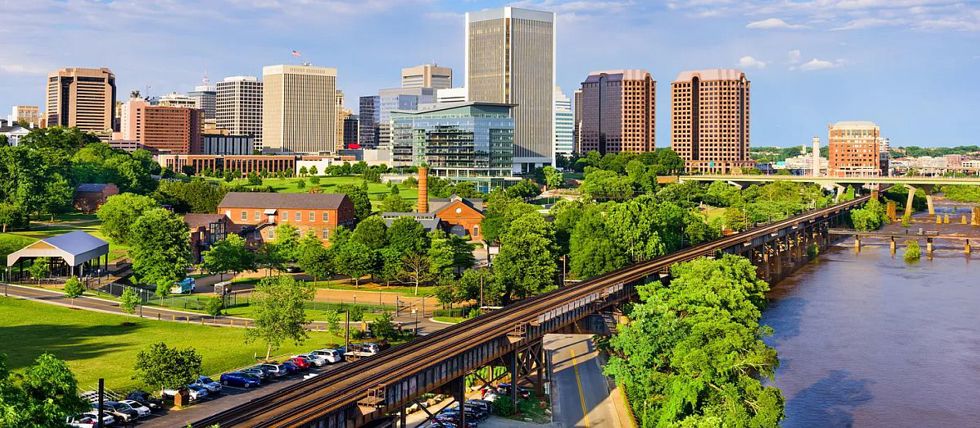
[
  {"x": 101, "y": 402},
  {"x": 347, "y": 333}
]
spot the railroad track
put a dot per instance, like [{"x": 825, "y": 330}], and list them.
[{"x": 306, "y": 401}]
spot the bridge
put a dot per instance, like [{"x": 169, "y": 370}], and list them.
[{"x": 375, "y": 391}]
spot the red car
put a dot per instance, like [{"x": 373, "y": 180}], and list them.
[{"x": 300, "y": 362}]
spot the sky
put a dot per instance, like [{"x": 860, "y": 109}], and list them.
[{"x": 908, "y": 65}]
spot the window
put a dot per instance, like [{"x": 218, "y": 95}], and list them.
[
  {"x": 312, "y": 216},
  {"x": 326, "y": 216},
  {"x": 258, "y": 215},
  {"x": 299, "y": 216},
  {"x": 285, "y": 216},
  {"x": 272, "y": 233},
  {"x": 326, "y": 233},
  {"x": 244, "y": 215}
]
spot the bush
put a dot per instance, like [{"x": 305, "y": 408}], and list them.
[
  {"x": 356, "y": 313},
  {"x": 906, "y": 220},
  {"x": 129, "y": 300},
  {"x": 912, "y": 251},
  {"x": 214, "y": 306},
  {"x": 73, "y": 288},
  {"x": 502, "y": 406}
]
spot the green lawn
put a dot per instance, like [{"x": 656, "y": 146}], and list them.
[
  {"x": 376, "y": 191},
  {"x": 63, "y": 224},
  {"x": 451, "y": 320},
  {"x": 102, "y": 345}
]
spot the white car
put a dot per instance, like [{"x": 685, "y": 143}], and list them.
[
  {"x": 196, "y": 393},
  {"x": 313, "y": 359},
  {"x": 139, "y": 408},
  {"x": 331, "y": 356},
  {"x": 89, "y": 420}
]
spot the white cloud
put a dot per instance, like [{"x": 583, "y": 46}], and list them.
[
  {"x": 820, "y": 64},
  {"x": 794, "y": 56},
  {"x": 862, "y": 23},
  {"x": 772, "y": 24},
  {"x": 23, "y": 69},
  {"x": 750, "y": 62}
]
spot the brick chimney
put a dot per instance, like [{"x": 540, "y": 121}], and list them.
[{"x": 423, "y": 189}]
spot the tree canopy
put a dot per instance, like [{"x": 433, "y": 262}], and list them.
[
  {"x": 43, "y": 396},
  {"x": 160, "y": 249},
  {"x": 161, "y": 367},
  {"x": 120, "y": 211},
  {"x": 280, "y": 313}
]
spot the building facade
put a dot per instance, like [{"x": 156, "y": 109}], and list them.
[
  {"x": 244, "y": 164},
  {"x": 402, "y": 99},
  {"x": 238, "y": 106},
  {"x": 205, "y": 98},
  {"x": 28, "y": 114},
  {"x": 367, "y": 121},
  {"x": 351, "y": 123},
  {"x": 217, "y": 144},
  {"x": 854, "y": 149},
  {"x": 83, "y": 98},
  {"x": 463, "y": 142},
  {"x": 510, "y": 59},
  {"x": 299, "y": 108},
  {"x": 170, "y": 129},
  {"x": 710, "y": 120},
  {"x": 174, "y": 99},
  {"x": 577, "y": 107},
  {"x": 451, "y": 96},
  {"x": 427, "y": 76},
  {"x": 618, "y": 112},
  {"x": 564, "y": 124},
  {"x": 320, "y": 213}
]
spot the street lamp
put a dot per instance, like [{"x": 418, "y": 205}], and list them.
[{"x": 416, "y": 312}]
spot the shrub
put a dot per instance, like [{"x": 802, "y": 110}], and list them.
[
  {"x": 912, "y": 251},
  {"x": 213, "y": 306},
  {"x": 73, "y": 288},
  {"x": 356, "y": 313}
]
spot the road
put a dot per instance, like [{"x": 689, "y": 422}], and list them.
[{"x": 581, "y": 392}]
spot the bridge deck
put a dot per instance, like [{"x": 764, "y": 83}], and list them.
[{"x": 888, "y": 235}]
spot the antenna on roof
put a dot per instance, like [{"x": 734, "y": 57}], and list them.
[{"x": 205, "y": 80}]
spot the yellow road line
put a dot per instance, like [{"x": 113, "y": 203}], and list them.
[{"x": 581, "y": 391}]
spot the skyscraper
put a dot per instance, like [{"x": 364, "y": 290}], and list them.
[
  {"x": 206, "y": 98},
  {"x": 510, "y": 58},
  {"x": 299, "y": 109},
  {"x": 577, "y": 99},
  {"x": 368, "y": 118},
  {"x": 29, "y": 114},
  {"x": 342, "y": 115},
  {"x": 427, "y": 76},
  {"x": 174, "y": 99},
  {"x": 710, "y": 120},
  {"x": 83, "y": 98},
  {"x": 618, "y": 111},
  {"x": 350, "y": 130},
  {"x": 564, "y": 124},
  {"x": 175, "y": 130},
  {"x": 238, "y": 107},
  {"x": 854, "y": 149},
  {"x": 399, "y": 99}
]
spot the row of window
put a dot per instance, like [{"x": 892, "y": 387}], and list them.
[{"x": 284, "y": 215}]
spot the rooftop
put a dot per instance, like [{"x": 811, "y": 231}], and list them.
[
  {"x": 632, "y": 74},
  {"x": 710, "y": 74}
]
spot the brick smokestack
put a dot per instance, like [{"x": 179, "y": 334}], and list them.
[{"x": 423, "y": 189}]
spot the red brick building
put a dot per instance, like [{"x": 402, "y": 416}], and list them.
[
  {"x": 90, "y": 196},
  {"x": 259, "y": 213},
  {"x": 205, "y": 230},
  {"x": 855, "y": 149}
]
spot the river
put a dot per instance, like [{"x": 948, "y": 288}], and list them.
[{"x": 868, "y": 340}]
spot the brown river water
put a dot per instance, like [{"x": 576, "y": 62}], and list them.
[{"x": 867, "y": 340}]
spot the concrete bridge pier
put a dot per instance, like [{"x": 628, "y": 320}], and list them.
[
  {"x": 976, "y": 216},
  {"x": 929, "y": 246},
  {"x": 892, "y": 245},
  {"x": 892, "y": 210},
  {"x": 857, "y": 243},
  {"x": 966, "y": 247},
  {"x": 909, "y": 206},
  {"x": 932, "y": 208}
]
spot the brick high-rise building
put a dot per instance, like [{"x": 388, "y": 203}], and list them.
[
  {"x": 299, "y": 108},
  {"x": 29, "y": 114},
  {"x": 709, "y": 121},
  {"x": 238, "y": 106},
  {"x": 427, "y": 76},
  {"x": 855, "y": 150},
  {"x": 510, "y": 59},
  {"x": 82, "y": 97},
  {"x": 618, "y": 111},
  {"x": 174, "y": 130}
]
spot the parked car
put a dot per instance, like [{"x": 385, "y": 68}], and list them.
[
  {"x": 262, "y": 375},
  {"x": 185, "y": 286},
  {"x": 277, "y": 370},
  {"x": 239, "y": 379},
  {"x": 145, "y": 399},
  {"x": 118, "y": 410},
  {"x": 313, "y": 359},
  {"x": 486, "y": 405},
  {"x": 331, "y": 356},
  {"x": 300, "y": 362},
  {"x": 504, "y": 389},
  {"x": 453, "y": 416},
  {"x": 90, "y": 420},
  {"x": 363, "y": 349},
  {"x": 290, "y": 367},
  {"x": 214, "y": 388},
  {"x": 197, "y": 392},
  {"x": 142, "y": 410}
]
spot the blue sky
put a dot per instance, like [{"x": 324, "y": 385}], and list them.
[{"x": 910, "y": 65}]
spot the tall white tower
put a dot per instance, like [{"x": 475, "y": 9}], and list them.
[{"x": 816, "y": 156}]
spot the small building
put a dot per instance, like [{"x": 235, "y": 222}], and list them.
[
  {"x": 456, "y": 215},
  {"x": 72, "y": 254},
  {"x": 205, "y": 230},
  {"x": 13, "y": 132},
  {"x": 258, "y": 213},
  {"x": 90, "y": 196}
]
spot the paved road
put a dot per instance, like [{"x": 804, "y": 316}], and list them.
[{"x": 580, "y": 391}]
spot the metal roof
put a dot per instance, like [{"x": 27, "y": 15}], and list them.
[{"x": 74, "y": 248}]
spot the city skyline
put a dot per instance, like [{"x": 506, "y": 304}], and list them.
[{"x": 810, "y": 62}]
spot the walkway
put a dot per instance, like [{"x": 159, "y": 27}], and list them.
[{"x": 580, "y": 397}]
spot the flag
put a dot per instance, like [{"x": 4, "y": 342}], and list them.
[{"x": 296, "y": 53}]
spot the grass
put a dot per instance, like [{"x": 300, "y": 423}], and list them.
[
  {"x": 404, "y": 290},
  {"x": 328, "y": 184},
  {"x": 451, "y": 320},
  {"x": 102, "y": 345},
  {"x": 712, "y": 213}
]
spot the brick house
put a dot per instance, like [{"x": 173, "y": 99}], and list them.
[
  {"x": 258, "y": 213},
  {"x": 205, "y": 230},
  {"x": 456, "y": 215},
  {"x": 90, "y": 196}
]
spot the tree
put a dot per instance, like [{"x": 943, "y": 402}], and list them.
[
  {"x": 73, "y": 288},
  {"x": 333, "y": 322},
  {"x": 478, "y": 285},
  {"x": 602, "y": 185},
  {"x": 314, "y": 258},
  {"x": 355, "y": 260},
  {"x": 415, "y": 269},
  {"x": 390, "y": 265},
  {"x": 287, "y": 242},
  {"x": 553, "y": 178},
  {"x": 161, "y": 367},
  {"x": 407, "y": 235},
  {"x": 500, "y": 213},
  {"x": 313, "y": 170},
  {"x": 440, "y": 257},
  {"x": 214, "y": 305},
  {"x": 254, "y": 179},
  {"x": 371, "y": 232},
  {"x": 525, "y": 189},
  {"x": 129, "y": 300},
  {"x": 394, "y": 203},
  {"x": 912, "y": 251},
  {"x": 693, "y": 355},
  {"x": 359, "y": 197},
  {"x": 642, "y": 176},
  {"x": 592, "y": 249},
  {"x": 303, "y": 171},
  {"x": 228, "y": 255},
  {"x": 43, "y": 396},
  {"x": 195, "y": 196},
  {"x": 280, "y": 313},
  {"x": 119, "y": 212},
  {"x": 301, "y": 184},
  {"x": 39, "y": 269},
  {"x": 10, "y": 215},
  {"x": 160, "y": 249},
  {"x": 58, "y": 194},
  {"x": 384, "y": 327},
  {"x": 315, "y": 180},
  {"x": 525, "y": 265}
]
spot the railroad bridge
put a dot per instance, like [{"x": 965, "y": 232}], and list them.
[{"x": 375, "y": 391}]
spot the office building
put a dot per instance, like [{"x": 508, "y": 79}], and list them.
[
  {"x": 710, "y": 120},
  {"x": 238, "y": 107},
  {"x": 206, "y": 99},
  {"x": 510, "y": 59},
  {"x": 451, "y": 96},
  {"x": 403, "y": 99},
  {"x": 174, "y": 99},
  {"x": 577, "y": 105},
  {"x": 463, "y": 142},
  {"x": 427, "y": 76},
  {"x": 855, "y": 149},
  {"x": 350, "y": 131},
  {"x": 82, "y": 97},
  {"x": 213, "y": 144},
  {"x": 299, "y": 110},
  {"x": 342, "y": 114},
  {"x": 564, "y": 124},
  {"x": 618, "y": 110},
  {"x": 164, "y": 129},
  {"x": 368, "y": 118},
  {"x": 26, "y": 114}
]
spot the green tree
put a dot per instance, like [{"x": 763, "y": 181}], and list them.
[
  {"x": 407, "y": 235},
  {"x": 214, "y": 305},
  {"x": 313, "y": 170},
  {"x": 359, "y": 197},
  {"x": 478, "y": 285},
  {"x": 553, "y": 178},
  {"x": 160, "y": 249},
  {"x": 642, "y": 176},
  {"x": 501, "y": 211},
  {"x": 415, "y": 269},
  {"x": 384, "y": 327},
  {"x": 602, "y": 185},
  {"x": 394, "y": 203},
  {"x": 280, "y": 313},
  {"x": 10, "y": 215},
  {"x": 161, "y": 367},
  {"x": 526, "y": 265},
  {"x": 119, "y": 213},
  {"x": 129, "y": 300},
  {"x": 195, "y": 196},
  {"x": 315, "y": 180},
  {"x": 314, "y": 258},
  {"x": 912, "y": 251},
  {"x": 371, "y": 232},
  {"x": 333, "y": 322},
  {"x": 301, "y": 184},
  {"x": 228, "y": 255},
  {"x": 440, "y": 256},
  {"x": 287, "y": 242},
  {"x": 592, "y": 249},
  {"x": 73, "y": 288},
  {"x": 303, "y": 171},
  {"x": 43, "y": 396},
  {"x": 355, "y": 260},
  {"x": 524, "y": 190}
]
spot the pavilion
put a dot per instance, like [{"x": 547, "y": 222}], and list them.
[{"x": 72, "y": 254}]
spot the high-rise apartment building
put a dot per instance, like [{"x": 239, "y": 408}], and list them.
[
  {"x": 82, "y": 97},
  {"x": 710, "y": 120},
  {"x": 174, "y": 130},
  {"x": 427, "y": 76},
  {"x": 206, "y": 97},
  {"x": 367, "y": 121},
  {"x": 855, "y": 149},
  {"x": 577, "y": 106},
  {"x": 564, "y": 124},
  {"x": 510, "y": 59},
  {"x": 29, "y": 114},
  {"x": 299, "y": 110},
  {"x": 238, "y": 107},
  {"x": 618, "y": 111}
]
